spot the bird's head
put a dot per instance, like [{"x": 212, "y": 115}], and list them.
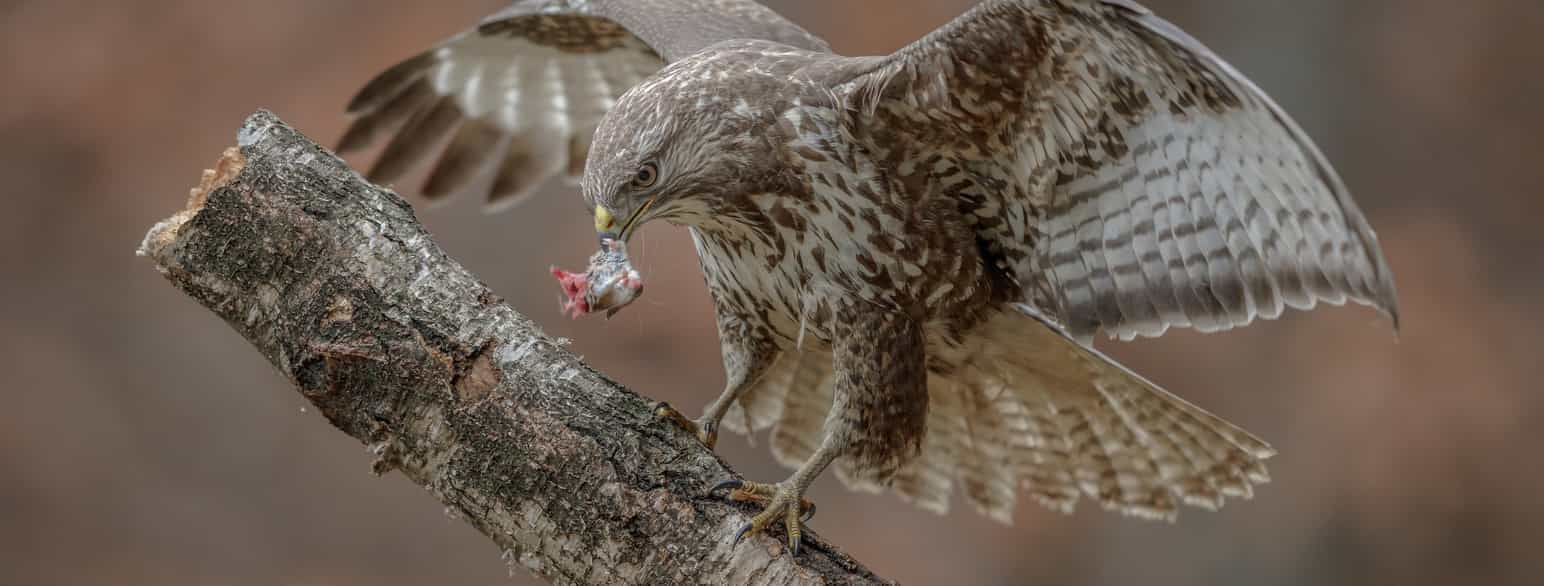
[
  {"x": 686, "y": 146},
  {"x": 690, "y": 145}
]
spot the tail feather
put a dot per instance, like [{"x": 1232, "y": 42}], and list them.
[
  {"x": 1047, "y": 469},
  {"x": 1031, "y": 410},
  {"x": 762, "y": 405},
  {"x": 1114, "y": 467},
  {"x": 1131, "y": 446},
  {"x": 1170, "y": 454},
  {"x": 1215, "y": 462},
  {"x": 800, "y": 425},
  {"x": 987, "y": 460},
  {"x": 928, "y": 481}
]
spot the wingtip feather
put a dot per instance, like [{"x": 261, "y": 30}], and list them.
[{"x": 391, "y": 82}]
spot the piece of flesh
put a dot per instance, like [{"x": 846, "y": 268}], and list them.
[
  {"x": 609, "y": 284},
  {"x": 574, "y": 287}
]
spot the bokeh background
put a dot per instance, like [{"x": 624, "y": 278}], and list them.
[{"x": 143, "y": 442}]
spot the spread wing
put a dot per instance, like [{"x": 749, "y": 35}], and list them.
[
  {"x": 522, "y": 92},
  {"x": 1130, "y": 178}
]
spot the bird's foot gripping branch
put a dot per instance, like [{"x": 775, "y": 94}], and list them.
[{"x": 336, "y": 283}]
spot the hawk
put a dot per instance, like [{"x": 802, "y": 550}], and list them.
[{"x": 910, "y": 255}]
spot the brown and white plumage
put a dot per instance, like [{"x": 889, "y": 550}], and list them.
[
  {"x": 909, "y": 255},
  {"x": 1067, "y": 422},
  {"x": 523, "y": 91},
  {"x": 1173, "y": 192}
]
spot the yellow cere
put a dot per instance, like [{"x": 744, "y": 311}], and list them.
[{"x": 603, "y": 220}]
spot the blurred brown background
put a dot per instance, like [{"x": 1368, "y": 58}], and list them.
[{"x": 143, "y": 442}]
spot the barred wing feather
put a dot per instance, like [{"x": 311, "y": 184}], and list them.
[
  {"x": 523, "y": 92},
  {"x": 1162, "y": 187}
]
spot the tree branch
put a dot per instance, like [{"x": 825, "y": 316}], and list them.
[{"x": 339, "y": 286}]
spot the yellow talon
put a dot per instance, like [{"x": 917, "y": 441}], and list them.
[
  {"x": 780, "y": 503},
  {"x": 706, "y": 431}
]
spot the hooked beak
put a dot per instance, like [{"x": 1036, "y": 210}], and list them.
[
  {"x": 606, "y": 228},
  {"x": 610, "y": 283}
]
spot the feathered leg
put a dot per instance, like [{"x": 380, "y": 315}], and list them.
[
  {"x": 877, "y": 418},
  {"x": 748, "y": 356}
]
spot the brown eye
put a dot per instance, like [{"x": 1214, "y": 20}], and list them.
[{"x": 647, "y": 175}]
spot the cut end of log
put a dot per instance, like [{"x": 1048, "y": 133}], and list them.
[{"x": 164, "y": 232}]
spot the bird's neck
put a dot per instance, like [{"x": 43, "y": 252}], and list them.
[{"x": 738, "y": 218}]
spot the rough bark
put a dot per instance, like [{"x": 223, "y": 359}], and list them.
[{"x": 339, "y": 286}]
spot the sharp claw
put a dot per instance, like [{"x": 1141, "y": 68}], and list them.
[
  {"x": 741, "y": 534},
  {"x": 661, "y": 408},
  {"x": 781, "y": 504},
  {"x": 705, "y": 431},
  {"x": 794, "y": 528},
  {"x": 730, "y": 484}
]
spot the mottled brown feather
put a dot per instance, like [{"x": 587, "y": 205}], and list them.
[
  {"x": 530, "y": 158},
  {"x": 388, "y": 84},
  {"x": 421, "y": 133},
  {"x": 496, "y": 74},
  {"x": 473, "y": 146},
  {"x": 393, "y": 113},
  {"x": 909, "y": 255}
]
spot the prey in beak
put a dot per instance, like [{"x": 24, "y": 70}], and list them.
[{"x": 609, "y": 283}]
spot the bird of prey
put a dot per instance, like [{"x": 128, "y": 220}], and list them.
[{"x": 910, "y": 255}]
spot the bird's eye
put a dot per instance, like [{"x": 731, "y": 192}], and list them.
[{"x": 648, "y": 173}]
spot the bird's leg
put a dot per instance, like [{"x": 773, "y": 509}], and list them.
[
  {"x": 877, "y": 418},
  {"x": 705, "y": 427},
  {"x": 747, "y": 358},
  {"x": 703, "y": 431},
  {"x": 783, "y": 501}
]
